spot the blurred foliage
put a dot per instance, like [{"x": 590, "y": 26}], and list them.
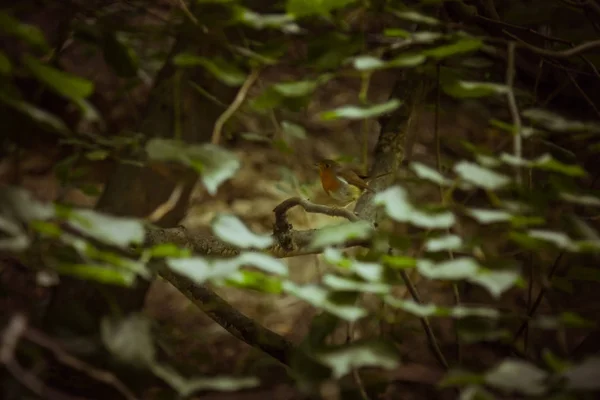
[{"x": 505, "y": 213}]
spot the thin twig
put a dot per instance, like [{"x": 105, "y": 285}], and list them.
[
  {"x": 514, "y": 111},
  {"x": 584, "y": 94},
  {"x": 187, "y": 11},
  {"x": 237, "y": 102},
  {"x": 425, "y": 321},
  {"x": 100, "y": 375},
  {"x": 168, "y": 205},
  {"x": 360, "y": 384},
  {"x": 574, "y": 51}
]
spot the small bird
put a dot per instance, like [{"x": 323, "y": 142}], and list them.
[{"x": 341, "y": 183}]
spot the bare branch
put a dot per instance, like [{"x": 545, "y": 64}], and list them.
[
  {"x": 100, "y": 375},
  {"x": 286, "y": 205},
  {"x": 514, "y": 111},
  {"x": 233, "y": 107}
]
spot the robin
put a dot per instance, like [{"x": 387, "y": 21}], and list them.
[{"x": 341, "y": 183}]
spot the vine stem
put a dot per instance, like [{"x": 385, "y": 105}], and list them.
[{"x": 514, "y": 111}]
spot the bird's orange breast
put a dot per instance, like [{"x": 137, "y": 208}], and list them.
[{"x": 329, "y": 181}]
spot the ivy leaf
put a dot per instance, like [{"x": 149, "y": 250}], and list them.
[
  {"x": 344, "y": 359},
  {"x": 480, "y": 176},
  {"x": 319, "y": 297},
  {"x": 584, "y": 376},
  {"x": 397, "y": 206},
  {"x": 488, "y": 216},
  {"x": 230, "y": 229},
  {"x": 444, "y": 243},
  {"x": 293, "y": 130},
  {"x": 559, "y": 239},
  {"x": 67, "y": 85},
  {"x": 513, "y": 375},
  {"x": 355, "y": 112},
  {"x": 117, "y": 231},
  {"x": 14, "y": 238},
  {"x": 406, "y": 60},
  {"x": 129, "y": 339},
  {"x": 345, "y": 284},
  {"x": 431, "y": 310},
  {"x": 425, "y": 172},
  {"x": 304, "y": 8},
  {"x": 224, "y": 71},
  {"x": 547, "y": 162},
  {"x": 462, "y": 45},
  {"x": 214, "y": 164},
  {"x": 338, "y": 234},
  {"x": 295, "y": 89}
]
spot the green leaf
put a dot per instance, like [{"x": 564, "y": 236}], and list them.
[
  {"x": 344, "y": 359},
  {"x": 5, "y": 65},
  {"x": 20, "y": 204},
  {"x": 129, "y": 339},
  {"x": 38, "y": 115},
  {"x": 117, "y": 231},
  {"x": 284, "y": 22},
  {"x": 464, "y": 268},
  {"x": 488, "y": 216},
  {"x": 293, "y": 130},
  {"x": 319, "y": 297},
  {"x": 214, "y": 164},
  {"x": 369, "y": 271},
  {"x": 339, "y": 234},
  {"x": 397, "y": 206},
  {"x": 355, "y": 112},
  {"x": 168, "y": 250},
  {"x": 480, "y": 176},
  {"x": 425, "y": 172},
  {"x": 557, "y": 123},
  {"x": 295, "y": 89},
  {"x": 547, "y": 162},
  {"x": 475, "y": 392},
  {"x": 29, "y": 33},
  {"x": 513, "y": 375},
  {"x": 98, "y": 273},
  {"x": 444, "y": 243},
  {"x": 581, "y": 199},
  {"x": 201, "y": 269},
  {"x": 468, "y": 89},
  {"x": 463, "y": 45},
  {"x": 406, "y": 60},
  {"x": 13, "y": 239},
  {"x": 304, "y": 8},
  {"x": 416, "y": 17},
  {"x": 431, "y": 310},
  {"x": 67, "y": 85},
  {"x": 399, "y": 262},
  {"x": 584, "y": 376},
  {"x": 367, "y": 63},
  {"x": 339, "y": 283},
  {"x": 186, "y": 387},
  {"x": 255, "y": 280},
  {"x": 230, "y": 229},
  {"x": 119, "y": 56},
  {"x": 226, "y": 72},
  {"x": 559, "y": 239}
]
